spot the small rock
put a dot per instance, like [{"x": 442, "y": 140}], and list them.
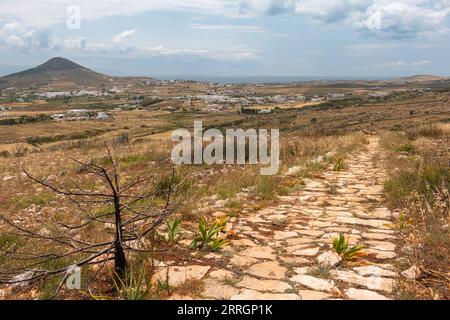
[
  {"x": 329, "y": 258},
  {"x": 263, "y": 285},
  {"x": 179, "y": 275},
  {"x": 216, "y": 290},
  {"x": 313, "y": 295},
  {"x": 314, "y": 283},
  {"x": 360, "y": 294},
  {"x": 281, "y": 235},
  {"x": 255, "y": 295},
  {"x": 259, "y": 253},
  {"x": 222, "y": 274},
  {"x": 306, "y": 252},
  {"x": 411, "y": 273},
  {"x": 243, "y": 242},
  {"x": 241, "y": 261},
  {"x": 21, "y": 281},
  {"x": 269, "y": 270}
]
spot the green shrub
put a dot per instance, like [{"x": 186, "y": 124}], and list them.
[
  {"x": 208, "y": 235},
  {"x": 423, "y": 181},
  {"x": 340, "y": 245}
]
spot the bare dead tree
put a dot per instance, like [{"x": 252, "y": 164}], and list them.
[{"x": 132, "y": 215}]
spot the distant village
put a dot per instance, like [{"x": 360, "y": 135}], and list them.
[{"x": 216, "y": 98}]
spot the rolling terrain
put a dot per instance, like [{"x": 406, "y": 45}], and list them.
[{"x": 61, "y": 73}]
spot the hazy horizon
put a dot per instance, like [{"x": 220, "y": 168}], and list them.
[{"x": 361, "y": 38}]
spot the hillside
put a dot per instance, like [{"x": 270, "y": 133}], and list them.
[
  {"x": 61, "y": 73},
  {"x": 421, "y": 78}
]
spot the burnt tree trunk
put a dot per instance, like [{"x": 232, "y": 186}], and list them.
[{"x": 120, "y": 261}]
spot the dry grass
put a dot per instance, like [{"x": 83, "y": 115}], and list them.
[{"x": 419, "y": 186}]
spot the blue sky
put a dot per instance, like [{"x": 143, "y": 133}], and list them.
[{"x": 366, "y": 38}]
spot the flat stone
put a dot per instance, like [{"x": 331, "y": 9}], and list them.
[
  {"x": 216, "y": 290},
  {"x": 381, "y": 245},
  {"x": 363, "y": 222},
  {"x": 255, "y": 295},
  {"x": 302, "y": 270},
  {"x": 263, "y": 285},
  {"x": 255, "y": 219},
  {"x": 277, "y": 218},
  {"x": 311, "y": 233},
  {"x": 306, "y": 252},
  {"x": 374, "y": 271},
  {"x": 360, "y": 294},
  {"x": 377, "y": 236},
  {"x": 313, "y": 295},
  {"x": 243, "y": 242},
  {"x": 382, "y": 255},
  {"x": 314, "y": 283},
  {"x": 259, "y": 253},
  {"x": 372, "y": 283},
  {"x": 179, "y": 275},
  {"x": 269, "y": 270},
  {"x": 329, "y": 258},
  {"x": 297, "y": 241},
  {"x": 321, "y": 224},
  {"x": 241, "y": 261},
  {"x": 294, "y": 260},
  {"x": 281, "y": 235},
  {"x": 411, "y": 273},
  {"x": 222, "y": 274}
]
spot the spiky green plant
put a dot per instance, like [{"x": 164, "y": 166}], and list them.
[
  {"x": 341, "y": 246},
  {"x": 339, "y": 163},
  {"x": 133, "y": 287},
  {"x": 208, "y": 235},
  {"x": 173, "y": 230}
]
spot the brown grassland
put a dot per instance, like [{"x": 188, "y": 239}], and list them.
[{"x": 414, "y": 131}]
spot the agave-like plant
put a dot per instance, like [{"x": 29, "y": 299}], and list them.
[
  {"x": 173, "y": 230},
  {"x": 340, "y": 245},
  {"x": 133, "y": 287},
  {"x": 208, "y": 235}
]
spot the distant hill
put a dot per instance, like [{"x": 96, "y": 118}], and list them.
[
  {"x": 63, "y": 74},
  {"x": 421, "y": 78}
]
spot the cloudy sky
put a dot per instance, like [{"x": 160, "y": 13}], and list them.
[{"x": 231, "y": 37}]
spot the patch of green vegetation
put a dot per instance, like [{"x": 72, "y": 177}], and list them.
[
  {"x": 320, "y": 271},
  {"x": 173, "y": 231},
  {"x": 25, "y": 202},
  {"x": 208, "y": 236},
  {"x": 25, "y": 120},
  {"x": 134, "y": 159},
  {"x": 48, "y": 287},
  {"x": 36, "y": 141},
  {"x": 8, "y": 241},
  {"x": 338, "y": 163},
  {"x": 269, "y": 187},
  {"x": 341, "y": 246},
  {"x": 135, "y": 286},
  {"x": 4, "y": 154},
  {"x": 422, "y": 181},
  {"x": 408, "y": 148},
  {"x": 234, "y": 204}
]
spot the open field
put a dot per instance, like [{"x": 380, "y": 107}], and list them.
[{"x": 343, "y": 169}]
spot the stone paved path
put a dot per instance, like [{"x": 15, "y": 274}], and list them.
[{"x": 280, "y": 249}]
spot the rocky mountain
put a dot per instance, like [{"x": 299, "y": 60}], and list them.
[{"x": 63, "y": 74}]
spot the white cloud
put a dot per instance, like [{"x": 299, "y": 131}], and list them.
[
  {"x": 119, "y": 38},
  {"x": 396, "y": 19},
  {"x": 45, "y": 13},
  {"x": 226, "y": 27},
  {"x": 403, "y": 64},
  {"x": 381, "y": 18},
  {"x": 17, "y": 36}
]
